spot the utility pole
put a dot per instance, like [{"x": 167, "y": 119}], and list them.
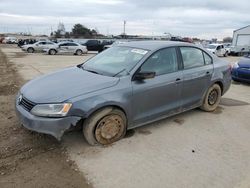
[{"x": 124, "y": 28}]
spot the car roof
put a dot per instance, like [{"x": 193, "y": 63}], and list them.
[
  {"x": 64, "y": 42},
  {"x": 216, "y": 44},
  {"x": 154, "y": 45}
]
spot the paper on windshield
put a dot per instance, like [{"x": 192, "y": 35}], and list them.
[{"x": 139, "y": 51}]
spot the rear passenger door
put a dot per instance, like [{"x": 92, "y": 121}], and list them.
[
  {"x": 40, "y": 46},
  {"x": 197, "y": 73}
]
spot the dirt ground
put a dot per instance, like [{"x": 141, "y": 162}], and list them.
[{"x": 29, "y": 159}]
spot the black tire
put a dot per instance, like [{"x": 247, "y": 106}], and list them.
[
  {"x": 212, "y": 98},
  {"x": 30, "y": 50},
  {"x": 79, "y": 52},
  {"x": 52, "y": 52},
  {"x": 105, "y": 126},
  {"x": 226, "y": 54}
]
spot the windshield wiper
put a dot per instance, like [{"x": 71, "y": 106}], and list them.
[
  {"x": 120, "y": 72},
  {"x": 93, "y": 71}
]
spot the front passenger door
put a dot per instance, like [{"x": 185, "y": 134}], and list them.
[
  {"x": 63, "y": 48},
  {"x": 159, "y": 96}
]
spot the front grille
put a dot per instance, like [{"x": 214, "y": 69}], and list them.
[{"x": 26, "y": 104}]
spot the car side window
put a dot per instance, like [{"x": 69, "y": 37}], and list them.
[
  {"x": 161, "y": 62},
  {"x": 72, "y": 44},
  {"x": 192, "y": 57},
  {"x": 208, "y": 60},
  {"x": 64, "y": 44}
]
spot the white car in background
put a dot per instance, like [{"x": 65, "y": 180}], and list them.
[
  {"x": 10, "y": 40},
  {"x": 114, "y": 44},
  {"x": 66, "y": 48},
  {"x": 37, "y": 47},
  {"x": 217, "y": 49},
  {"x": 228, "y": 47}
]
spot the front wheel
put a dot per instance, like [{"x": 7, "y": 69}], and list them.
[
  {"x": 212, "y": 98},
  {"x": 52, "y": 52},
  {"x": 30, "y": 50},
  {"x": 105, "y": 126}
]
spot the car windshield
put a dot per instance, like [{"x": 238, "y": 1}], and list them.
[
  {"x": 115, "y": 61},
  {"x": 211, "y": 46}
]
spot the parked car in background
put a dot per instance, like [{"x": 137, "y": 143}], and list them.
[
  {"x": 241, "y": 70},
  {"x": 93, "y": 45},
  {"x": 228, "y": 46},
  {"x": 217, "y": 49},
  {"x": 66, "y": 48},
  {"x": 37, "y": 47},
  {"x": 10, "y": 40},
  {"x": 124, "y": 87},
  {"x": 114, "y": 44},
  {"x": 1, "y": 39}
]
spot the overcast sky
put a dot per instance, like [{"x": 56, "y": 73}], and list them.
[{"x": 194, "y": 18}]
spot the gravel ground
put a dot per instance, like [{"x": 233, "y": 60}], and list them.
[{"x": 28, "y": 159}]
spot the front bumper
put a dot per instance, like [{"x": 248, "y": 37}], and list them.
[{"x": 52, "y": 126}]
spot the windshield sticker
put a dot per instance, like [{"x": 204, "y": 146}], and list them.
[{"x": 139, "y": 51}]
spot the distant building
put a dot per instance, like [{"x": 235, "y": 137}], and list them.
[{"x": 241, "y": 40}]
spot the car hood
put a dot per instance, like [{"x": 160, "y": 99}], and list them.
[
  {"x": 244, "y": 63},
  {"x": 65, "y": 84}
]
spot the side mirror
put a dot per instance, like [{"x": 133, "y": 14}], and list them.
[
  {"x": 144, "y": 75},
  {"x": 37, "y": 44}
]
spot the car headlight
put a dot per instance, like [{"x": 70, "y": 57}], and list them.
[
  {"x": 51, "y": 110},
  {"x": 236, "y": 65}
]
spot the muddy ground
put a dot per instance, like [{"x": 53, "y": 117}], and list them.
[{"x": 29, "y": 159}]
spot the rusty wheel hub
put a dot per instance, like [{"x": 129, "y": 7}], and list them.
[{"x": 109, "y": 129}]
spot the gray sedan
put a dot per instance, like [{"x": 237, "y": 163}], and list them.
[{"x": 124, "y": 87}]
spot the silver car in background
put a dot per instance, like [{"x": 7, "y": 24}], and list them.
[
  {"x": 66, "y": 48},
  {"x": 37, "y": 47}
]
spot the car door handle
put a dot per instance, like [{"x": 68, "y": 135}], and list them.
[
  {"x": 207, "y": 72},
  {"x": 177, "y": 80}
]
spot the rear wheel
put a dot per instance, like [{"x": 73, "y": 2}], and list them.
[
  {"x": 52, "y": 52},
  {"x": 30, "y": 50},
  {"x": 105, "y": 126},
  {"x": 212, "y": 98}
]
